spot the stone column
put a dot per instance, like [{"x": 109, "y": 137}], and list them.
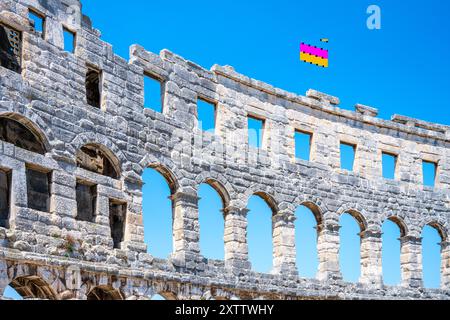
[
  {"x": 19, "y": 196},
  {"x": 73, "y": 284},
  {"x": 133, "y": 237},
  {"x": 102, "y": 214},
  {"x": 63, "y": 199},
  {"x": 283, "y": 237},
  {"x": 101, "y": 217},
  {"x": 235, "y": 238},
  {"x": 328, "y": 251},
  {"x": 371, "y": 263},
  {"x": 445, "y": 265},
  {"x": 411, "y": 261},
  {"x": 186, "y": 248}
]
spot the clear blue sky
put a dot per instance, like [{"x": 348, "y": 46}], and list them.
[{"x": 388, "y": 69}]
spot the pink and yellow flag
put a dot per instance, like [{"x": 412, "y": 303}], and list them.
[{"x": 314, "y": 55}]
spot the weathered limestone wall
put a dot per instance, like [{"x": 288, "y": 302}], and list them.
[{"x": 54, "y": 255}]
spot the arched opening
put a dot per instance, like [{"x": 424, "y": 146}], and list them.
[
  {"x": 21, "y": 134},
  {"x": 431, "y": 255},
  {"x": 11, "y": 294},
  {"x": 211, "y": 222},
  {"x": 166, "y": 295},
  {"x": 392, "y": 229},
  {"x": 104, "y": 293},
  {"x": 32, "y": 287},
  {"x": 157, "y": 211},
  {"x": 98, "y": 159},
  {"x": 350, "y": 246},
  {"x": 259, "y": 232},
  {"x": 308, "y": 217}
]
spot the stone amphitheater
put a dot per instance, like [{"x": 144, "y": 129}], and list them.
[{"x": 76, "y": 138}]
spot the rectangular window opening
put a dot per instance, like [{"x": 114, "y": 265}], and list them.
[
  {"x": 152, "y": 93},
  {"x": 5, "y": 198},
  {"x": 37, "y": 21},
  {"x": 93, "y": 87},
  {"x": 389, "y": 164},
  {"x": 10, "y": 48},
  {"x": 347, "y": 152},
  {"x": 206, "y": 112},
  {"x": 38, "y": 190},
  {"x": 117, "y": 217},
  {"x": 429, "y": 170},
  {"x": 255, "y": 131},
  {"x": 86, "y": 201},
  {"x": 303, "y": 145},
  {"x": 69, "y": 40}
]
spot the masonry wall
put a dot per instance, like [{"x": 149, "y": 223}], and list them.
[{"x": 73, "y": 258}]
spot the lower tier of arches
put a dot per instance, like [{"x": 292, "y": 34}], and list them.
[{"x": 52, "y": 278}]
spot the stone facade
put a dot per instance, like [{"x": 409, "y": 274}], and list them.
[{"x": 53, "y": 254}]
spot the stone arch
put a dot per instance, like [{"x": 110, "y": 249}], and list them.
[
  {"x": 168, "y": 295},
  {"x": 28, "y": 116},
  {"x": 165, "y": 167},
  {"x": 434, "y": 255},
  {"x": 315, "y": 204},
  {"x": 257, "y": 238},
  {"x": 111, "y": 150},
  {"x": 92, "y": 155},
  {"x": 266, "y": 193},
  {"x": 156, "y": 296},
  {"x": 305, "y": 251},
  {"x": 267, "y": 197},
  {"x": 218, "y": 183},
  {"x": 221, "y": 190},
  {"x": 168, "y": 175},
  {"x": 270, "y": 200},
  {"x": 104, "y": 292},
  {"x": 48, "y": 275},
  {"x": 34, "y": 135},
  {"x": 356, "y": 212},
  {"x": 393, "y": 212},
  {"x": 33, "y": 287},
  {"x": 356, "y": 258},
  {"x": 400, "y": 223},
  {"x": 212, "y": 218},
  {"x": 314, "y": 207},
  {"x": 171, "y": 214},
  {"x": 167, "y": 290},
  {"x": 391, "y": 271},
  {"x": 437, "y": 224}
]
